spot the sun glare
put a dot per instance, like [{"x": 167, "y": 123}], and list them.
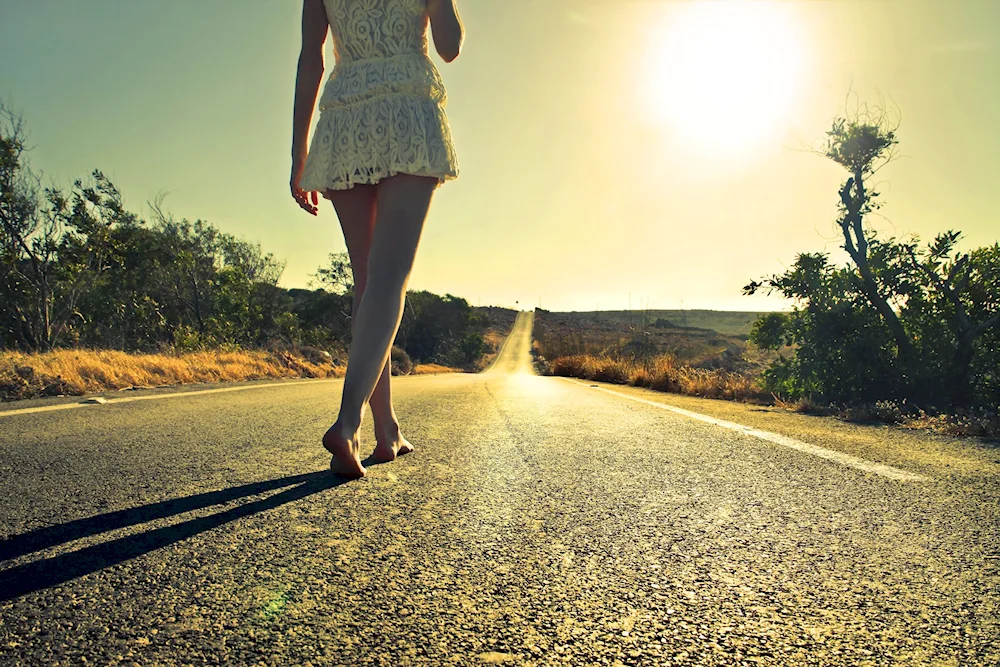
[{"x": 725, "y": 74}]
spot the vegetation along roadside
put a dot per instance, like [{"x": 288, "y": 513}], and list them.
[
  {"x": 903, "y": 332},
  {"x": 94, "y": 296}
]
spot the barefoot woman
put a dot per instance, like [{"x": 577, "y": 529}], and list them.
[{"x": 381, "y": 147}]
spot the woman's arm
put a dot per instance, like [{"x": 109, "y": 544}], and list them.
[
  {"x": 307, "y": 80},
  {"x": 446, "y": 26}
]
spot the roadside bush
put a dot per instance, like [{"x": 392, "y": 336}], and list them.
[
  {"x": 399, "y": 361},
  {"x": 314, "y": 355},
  {"x": 443, "y": 330}
]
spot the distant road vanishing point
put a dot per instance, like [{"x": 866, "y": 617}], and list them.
[{"x": 541, "y": 520}]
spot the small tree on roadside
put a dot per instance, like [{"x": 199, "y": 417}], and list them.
[
  {"x": 53, "y": 247},
  {"x": 902, "y": 321},
  {"x": 336, "y": 276},
  {"x": 863, "y": 145},
  {"x": 27, "y": 241}
]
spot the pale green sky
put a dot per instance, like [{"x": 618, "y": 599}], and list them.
[{"x": 589, "y": 176}]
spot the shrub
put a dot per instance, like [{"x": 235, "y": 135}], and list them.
[{"x": 399, "y": 361}]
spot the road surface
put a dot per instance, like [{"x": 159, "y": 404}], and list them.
[{"x": 540, "y": 521}]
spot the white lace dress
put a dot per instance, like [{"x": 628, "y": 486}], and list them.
[{"x": 382, "y": 109}]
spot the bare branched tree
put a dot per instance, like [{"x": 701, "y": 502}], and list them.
[
  {"x": 52, "y": 247},
  {"x": 29, "y": 235},
  {"x": 863, "y": 142}
]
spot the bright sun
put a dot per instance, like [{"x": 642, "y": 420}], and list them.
[{"x": 725, "y": 74}]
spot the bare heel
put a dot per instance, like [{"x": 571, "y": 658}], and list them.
[{"x": 344, "y": 450}]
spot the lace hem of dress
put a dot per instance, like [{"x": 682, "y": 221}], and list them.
[
  {"x": 386, "y": 135},
  {"x": 373, "y": 176}
]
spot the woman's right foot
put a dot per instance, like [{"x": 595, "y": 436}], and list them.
[
  {"x": 345, "y": 448},
  {"x": 390, "y": 445}
]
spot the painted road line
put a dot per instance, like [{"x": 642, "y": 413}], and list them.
[
  {"x": 776, "y": 438},
  {"x": 44, "y": 408},
  {"x": 156, "y": 397}
]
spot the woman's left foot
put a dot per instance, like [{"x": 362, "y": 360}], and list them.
[
  {"x": 343, "y": 444},
  {"x": 390, "y": 445}
]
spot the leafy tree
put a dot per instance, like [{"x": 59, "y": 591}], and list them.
[
  {"x": 444, "y": 330},
  {"x": 124, "y": 310},
  {"x": 902, "y": 321},
  {"x": 53, "y": 247},
  {"x": 322, "y": 317},
  {"x": 26, "y": 243},
  {"x": 248, "y": 303},
  {"x": 337, "y": 276}
]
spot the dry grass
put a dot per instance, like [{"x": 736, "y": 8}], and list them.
[
  {"x": 83, "y": 371},
  {"x": 985, "y": 425},
  {"x": 964, "y": 423},
  {"x": 494, "y": 341},
  {"x": 662, "y": 373},
  {"x": 666, "y": 374},
  {"x": 429, "y": 369}
]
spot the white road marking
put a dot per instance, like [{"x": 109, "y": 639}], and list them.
[
  {"x": 87, "y": 403},
  {"x": 44, "y": 408},
  {"x": 777, "y": 438}
]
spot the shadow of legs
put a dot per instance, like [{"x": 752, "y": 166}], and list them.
[
  {"x": 51, "y": 536},
  {"x": 31, "y": 577}
]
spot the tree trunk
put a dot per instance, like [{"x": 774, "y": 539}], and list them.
[{"x": 856, "y": 245}]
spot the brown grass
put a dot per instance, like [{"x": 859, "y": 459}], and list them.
[
  {"x": 494, "y": 341},
  {"x": 662, "y": 373},
  {"x": 962, "y": 423},
  {"x": 78, "y": 372},
  {"x": 429, "y": 369},
  {"x": 968, "y": 425}
]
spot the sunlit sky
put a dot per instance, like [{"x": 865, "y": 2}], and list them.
[{"x": 612, "y": 152}]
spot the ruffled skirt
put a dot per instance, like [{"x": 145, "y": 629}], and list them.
[{"x": 378, "y": 118}]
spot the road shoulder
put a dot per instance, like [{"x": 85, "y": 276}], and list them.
[{"x": 968, "y": 459}]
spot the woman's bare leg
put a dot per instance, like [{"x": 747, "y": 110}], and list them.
[
  {"x": 389, "y": 440},
  {"x": 356, "y": 210},
  {"x": 402, "y": 202}
]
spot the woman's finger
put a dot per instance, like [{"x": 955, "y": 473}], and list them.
[
  {"x": 297, "y": 195},
  {"x": 302, "y": 199},
  {"x": 304, "y": 203}
]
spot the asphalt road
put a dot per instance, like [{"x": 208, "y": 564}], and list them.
[{"x": 539, "y": 521}]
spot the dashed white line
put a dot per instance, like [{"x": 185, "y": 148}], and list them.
[{"x": 776, "y": 438}]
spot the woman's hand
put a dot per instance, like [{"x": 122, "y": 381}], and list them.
[{"x": 308, "y": 200}]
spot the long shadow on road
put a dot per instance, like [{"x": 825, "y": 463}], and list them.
[{"x": 53, "y": 571}]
